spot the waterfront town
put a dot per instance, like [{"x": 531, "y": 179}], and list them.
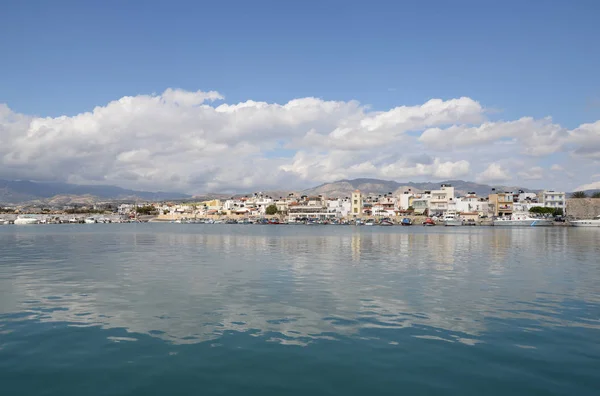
[{"x": 442, "y": 203}]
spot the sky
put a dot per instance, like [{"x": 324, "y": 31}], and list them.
[{"x": 238, "y": 96}]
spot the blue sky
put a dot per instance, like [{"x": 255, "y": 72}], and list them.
[{"x": 517, "y": 58}]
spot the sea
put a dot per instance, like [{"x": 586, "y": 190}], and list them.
[{"x": 198, "y": 309}]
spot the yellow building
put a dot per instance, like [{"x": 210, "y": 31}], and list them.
[
  {"x": 357, "y": 204},
  {"x": 501, "y": 203},
  {"x": 212, "y": 204}
]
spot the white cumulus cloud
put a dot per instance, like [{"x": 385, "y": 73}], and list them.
[
  {"x": 197, "y": 142},
  {"x": 589, "y": 186},
  {"x": 535, "y": 173},
  {"x": 493, "y": 174}
]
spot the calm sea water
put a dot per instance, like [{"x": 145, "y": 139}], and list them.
[{"x": 169, "y": 309}]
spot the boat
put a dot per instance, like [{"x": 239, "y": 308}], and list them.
[
  {"x": 406, "y": 221},
  {"x": 386, "y": 222},
  {"x": 90, "y": 220},
  {"x": 595, "y": 222},
  {"x": 273, "y": 221},
  {"x": 521, "y": 220},
  {"x": 24, "y": 219},
  {"x": 429, "y": 222},
  {"x": 369, "y": 223},
  {"x": 451, "y": 219}
]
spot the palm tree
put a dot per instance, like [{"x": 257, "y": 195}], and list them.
[
  {"x": 596, "y": 194},
  {"x": 579, "y": 194}
]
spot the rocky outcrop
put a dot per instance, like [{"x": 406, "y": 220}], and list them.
[{"x": 583, "y": 208}]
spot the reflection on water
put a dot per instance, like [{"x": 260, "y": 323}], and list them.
[{"x": 192, "y": 283}]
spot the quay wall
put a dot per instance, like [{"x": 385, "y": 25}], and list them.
[{"x": 583, "y": 208}]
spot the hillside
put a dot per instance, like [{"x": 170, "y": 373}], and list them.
[
  {"x": 13, "y": 192},
  {"x": 344, "y": 188}
]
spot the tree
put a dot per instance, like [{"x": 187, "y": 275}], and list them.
[
  {"x": 579, "y": 194},
  {"x": 541, "y": 210},
  {"x": 271, "y": 209},
  {"x": 558, "y": 212},
  {"x": 145, "y": 210},
  {"x": 596, "y": 194}
]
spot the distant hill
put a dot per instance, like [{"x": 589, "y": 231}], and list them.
[
  {"x": 21, "y": 191},
  {"x": 344, "y": 188}
]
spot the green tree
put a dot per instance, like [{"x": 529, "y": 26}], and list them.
[
  {"x": 558, "y": 212},
  {"x": 596, "y": 194},
  {"x": 145, "y": 210},
  {"x": 271, "y": 209},
  {"x": 579, "y": 194},
  {"x": 541, "y": 210}
]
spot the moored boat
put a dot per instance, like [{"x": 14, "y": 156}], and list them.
[
  {"x": 521, "y": 220},
  {"x": 429, "y": 222},
  {"x": 24, "y": 219},
  {"x": 386, "y": 222},
  {"x": 595, "y": 222},
  {"x": 406, "y": 221},
  {"x": 451, "y": 219}
]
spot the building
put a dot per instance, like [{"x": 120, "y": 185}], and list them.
[
  {"x": 405, "y": 200},
  {"x": 501, "y": 203},
  {"x": 357, "y": 204},
  {"x": 311, "y": 208},
  {"x": 471, "y": 203},
  {"x": 554, "y": 199},
  {"x": 442, "y": 200}
]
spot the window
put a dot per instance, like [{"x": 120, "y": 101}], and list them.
[
  {"x": 355, "y": 210},
  {"x": 356, "y": 202}
]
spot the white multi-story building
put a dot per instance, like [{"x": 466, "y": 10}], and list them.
[
  {"x": 405, "y": 199},
  {"x": 471, "y": 203},
  {"x": 554, "y": 199},
  {"x": 442, "y": 199},
  {"x": 341, "y": 207}
]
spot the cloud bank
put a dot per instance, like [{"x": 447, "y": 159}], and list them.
[{"x": 196, "y": 142}]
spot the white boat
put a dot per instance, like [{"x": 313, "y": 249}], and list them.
[
  {"x": 24, "y": 219},
  {"x": 90, "y": 220},
  {"x": 595, "y": 222},
  {"x": 522, "y": 220},
  {"x": 2, "y": 222},
  {"x": 451, "y": 219}
]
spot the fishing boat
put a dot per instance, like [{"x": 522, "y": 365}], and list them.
[
  {"x": 369, "y": 223},
  {"x": 25, "y": 219},
  {"x": 521, "y": 220},
  {"x": 406, "y": 221},
  {"x": 273, "y": 221},
  {"x": 90, "y": 220},
  {"x": 451, "y": 219},
  {"x": 386, "y": 222},
  {"x": 429, "y": 222},
  {"x": 595, "y": 222}
]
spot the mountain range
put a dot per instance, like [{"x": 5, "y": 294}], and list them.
[
  {"x": 344, "y": 188},
  {"x": 19, "y": 191}
]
